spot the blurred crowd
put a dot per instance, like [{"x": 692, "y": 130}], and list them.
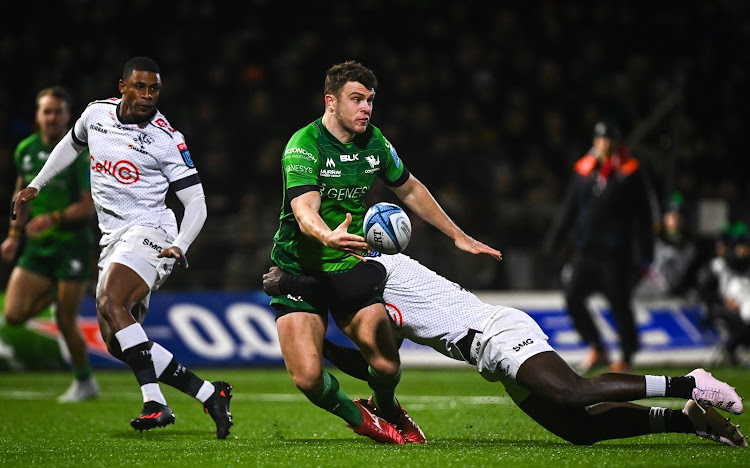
[{"x": 488, "y": 103}]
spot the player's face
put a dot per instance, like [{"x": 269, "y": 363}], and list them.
[
  {"x": 353, "y": 107},
  {"x": 603, "y": 146},
  {"x": 140, "y": 93},
  {"x": 52, "y": 116}
]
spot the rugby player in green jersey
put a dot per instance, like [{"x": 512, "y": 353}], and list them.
[
  {"x": 57, "y": 254},
  {"x": 328, "y": 168}
]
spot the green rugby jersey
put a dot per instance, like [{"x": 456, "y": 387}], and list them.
[
  {"x": 63, "y": 190},
  {"x": 343, "y": 174}
]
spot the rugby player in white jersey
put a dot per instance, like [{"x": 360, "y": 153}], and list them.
[
  {"x": 507, "y": 345},
  {"x": 136, "y": 156}
]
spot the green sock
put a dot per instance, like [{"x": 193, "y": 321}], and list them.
[
  {"x": 333, "y": 400},
  {"x": 384, "y": 391},
  {"x": 82, "y": 372}
]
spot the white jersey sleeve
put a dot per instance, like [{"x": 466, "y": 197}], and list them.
[
  {"x": 132, "y": 168},
  {"x": 430, "y": 309}
]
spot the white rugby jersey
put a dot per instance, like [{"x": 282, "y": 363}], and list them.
[
  {"x": 132, "y": 166},
  {"x": 428, "y": 308}
]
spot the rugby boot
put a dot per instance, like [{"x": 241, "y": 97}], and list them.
[
  {"x": 217, "y": 406},
  {"x": 375, "y": 428},
  {"x": 709, "y": 424},
  {"x": 80, "y": 390},
  {"x": 710, "y": 391},
  {"x": 154, "y": 414},
  {"x": 402, "y": 421}
]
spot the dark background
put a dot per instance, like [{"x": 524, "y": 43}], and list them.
[{"x": 488, "y": 103}]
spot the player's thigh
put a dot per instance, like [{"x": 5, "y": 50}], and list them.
[
  {"x": 301, "y": 339},
  {"x": 24, "y": 292},
  {"x": 370, "y": 329},
  {"x": 119, "y": 289}
]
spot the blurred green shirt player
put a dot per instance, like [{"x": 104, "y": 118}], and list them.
[{"x": 54, "y": 238}]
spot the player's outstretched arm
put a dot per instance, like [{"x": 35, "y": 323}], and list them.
[
  {"x": 416, "y": 196},
  {"x": 306, "y": 211}
]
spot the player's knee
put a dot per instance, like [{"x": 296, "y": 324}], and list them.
[
  {"x": 14, "y": 317},
  {"x": 107, "y": 307},
  {"x": 388, "y": 368},
  {"x": 308, "y": 385}
]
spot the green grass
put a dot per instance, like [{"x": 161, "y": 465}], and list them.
[{"x": 468, "y": 421}]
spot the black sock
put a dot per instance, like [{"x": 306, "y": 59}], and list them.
[
  {"x": 677, "y": 421},
  {"x": 139, "y": 359},
  {"x": 178, "y": 376},
  {"x": 680, "y": 387}
]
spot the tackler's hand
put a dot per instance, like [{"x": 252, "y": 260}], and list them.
[{"x": 272, "y": 281}]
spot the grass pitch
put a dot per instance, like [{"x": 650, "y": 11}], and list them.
[{"x": 468, "y": 422}]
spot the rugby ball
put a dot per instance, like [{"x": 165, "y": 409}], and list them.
[{"x": 387, "y": 228}]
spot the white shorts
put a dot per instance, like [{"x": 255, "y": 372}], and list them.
[
  {"x": 137, "y": 249},
  {"x": 507, "y": 341}
]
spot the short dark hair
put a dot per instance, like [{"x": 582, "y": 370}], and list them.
[
  {"x": 342, "y": 73},
  {"x": 55, "y": 91},
  {"x": 139, "y": 64}
]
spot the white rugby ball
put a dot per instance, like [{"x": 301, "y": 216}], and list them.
[{"x": 387, "y": 228}]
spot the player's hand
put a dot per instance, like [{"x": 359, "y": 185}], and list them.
[
  {"x": 39, "y": 224},
  {"x": 272, "y": 281},
  {"x": 9, "y": 248},
  {"x": 176, "y": 253},
  {"x": 24, "y": 196},
  {"x": 341, "y": 239},
  {"x": 471, "y": 245}
]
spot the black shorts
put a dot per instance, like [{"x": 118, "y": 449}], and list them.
[{"x": 342, "y": 293}]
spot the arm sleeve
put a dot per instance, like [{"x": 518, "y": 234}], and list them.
[
  {"x": 195, "y": 214},
  {"x": 64, "y": 154}
]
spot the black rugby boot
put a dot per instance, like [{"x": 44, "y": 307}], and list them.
[
  {"x": 154, "y": 414},
  {"x": 217, "y": 406}
]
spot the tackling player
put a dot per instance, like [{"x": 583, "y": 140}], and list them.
[
  {"x": 136, "y": 156},
  {"x": 507, "y": 345},
  {"x": 328, "y": 168}
]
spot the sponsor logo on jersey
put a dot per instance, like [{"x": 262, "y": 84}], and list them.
[
  {"x": 330, "y": 163},
  {"x": 374, "y": 161},
  {"x": 164, "y": 124},
  {"x": 522, "y": 344},
  {"x": 97, "y": 128},
  {"x": 300, "y": 153},
  {"x": 344, "y": 193},
  {"x": 349, "y": 157},
  {"x": 126, "y": 128},
  {"x": 330, "y": 173},
  {"x": 299, "y": 168},
  {"x": 396, "y": 315},
  {"x": 138, "y": 149},
  {"x": 124, "y": 172},
  {"x": 185, "y": 155},
  {"x": 153, "y": 245}
]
